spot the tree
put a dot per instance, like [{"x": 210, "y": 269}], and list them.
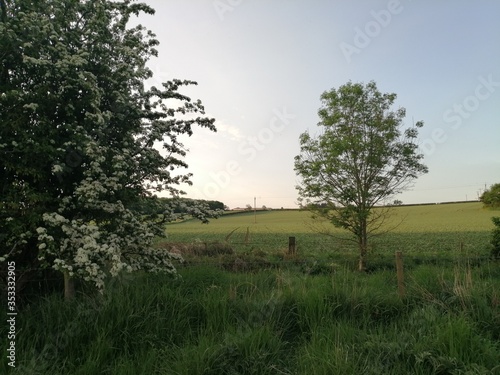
[
  {"x": 77, "y": 136},
  {"x": 491, "y": 197},
  {"x": 214, "y": 205},
  {"x": 183, "y": 206},
  {"x": 362, "y": 158}
]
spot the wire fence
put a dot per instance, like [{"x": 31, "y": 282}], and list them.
[
  {"x": 278, "y": 254},
  {"x": 474, "y": 247}
]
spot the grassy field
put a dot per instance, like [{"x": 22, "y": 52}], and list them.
[
  {"x": 468, "y": 217},
  {"x": 443, "y": 230},
  {"x": 214, "y": 322},
  {"x": 303, "y": 314}
]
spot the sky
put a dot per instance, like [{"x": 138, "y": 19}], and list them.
[{"x": 262, "y": 65}]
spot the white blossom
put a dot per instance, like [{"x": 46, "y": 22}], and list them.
[{"x": 56, "y": 168}]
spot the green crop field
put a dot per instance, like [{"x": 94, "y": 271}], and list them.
[
  {"x": 425, "y": 218},
  {"x": 461, "y": 229}
]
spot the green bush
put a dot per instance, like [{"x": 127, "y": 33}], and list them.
[
  {"x": 246, "y": 262},
  {"x": 491, "y": 197}
]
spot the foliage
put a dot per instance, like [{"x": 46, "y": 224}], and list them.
[
  {"x": 77, "y": 137},
  {"x": 495, "y": 240},
  {"x": 491, "y": 197},
  {"x": 184, "y": 205},
  {"x": 361, "y": 159},
  {"x": 198, "y": 248}
]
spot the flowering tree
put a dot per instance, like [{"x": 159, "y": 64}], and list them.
[{"x": 84, "y": 145}]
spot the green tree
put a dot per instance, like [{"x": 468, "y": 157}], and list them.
[
  {"x": 77, "y": 136},
  {"x": 362, "y": 158},
  {"x": 184, "y": 206},
  {"x": 491, "y": 197}
]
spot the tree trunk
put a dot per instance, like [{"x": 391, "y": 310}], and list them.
[
  {"x": 69, "y": 286},
  {"x": 363, "y": 246},
  {"x": 362, "y": 258}
]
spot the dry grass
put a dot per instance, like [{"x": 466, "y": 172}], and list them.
[{"x": 208, "y": 249}]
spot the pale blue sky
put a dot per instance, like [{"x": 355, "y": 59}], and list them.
[{"x": 262, "y": 65}]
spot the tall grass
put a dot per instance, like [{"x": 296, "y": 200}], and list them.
[{"x": 278, "y": 321}]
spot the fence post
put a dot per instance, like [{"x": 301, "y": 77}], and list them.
[
  {"x": 400, "y": 273},
  {"x": 291, "y": 245}
]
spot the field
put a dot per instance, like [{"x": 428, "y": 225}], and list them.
[
  {"x": 467, "y": 217},
  {"x": 309, "y": 313},
  {"x": 427, "y": 231}
]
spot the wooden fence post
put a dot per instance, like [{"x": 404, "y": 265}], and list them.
[
  {"x": 291, "y": 245},
  {"x": 400, "y": 273}
]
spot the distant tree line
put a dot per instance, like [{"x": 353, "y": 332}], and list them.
[
  {"x": 176, "y": 206},
  {"x": 180, "y": 205}
]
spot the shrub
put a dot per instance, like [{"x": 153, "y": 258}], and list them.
[
  {"x": 198, "y": 248},
  {"x": 491, "y": 197},
  {"x": 246, "y": 262}
]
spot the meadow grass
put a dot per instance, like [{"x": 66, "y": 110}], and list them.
[
  {"x": 420, "y": 232},
  {"x": 211, "y": 321},
  {"x": 304, "y": 314}
]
